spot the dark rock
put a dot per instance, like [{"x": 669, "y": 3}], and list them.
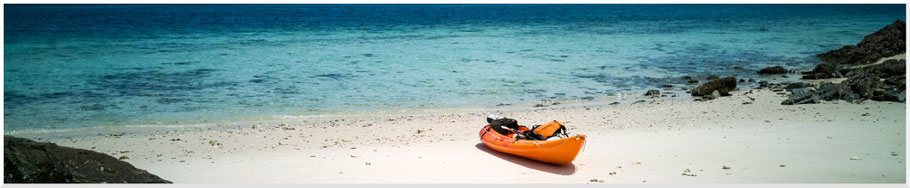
[
  {"x": 822, "y": 71},
  {"x": 539, "y": 105},
  {"x": 26, "y": 161},
  {"x": 714, "y": 95},
  {"x": 888, "y": 68},
  {"x": 902, "y": 97},
  {"x": 773, "y": 70},
  {"x": 751, "y": 80},
  {"x": 741, "y": 80},
  {"x": 801, "y": 96},
  {"x": 859, "y": 88},
  {"x": 712, "y": 77},
  {"x": 639, "y": 101},
  {"x": 828, "y": 91},
  {"x": 723, "y": 86},
  {"x": 614, "y": 103},
  {"x": 898, "y": 81},
  {"x": 667, "y": 86},
  {"x": 653, "y": 93},
  {"x": 891, "y": 68},
  {"x": 686, "y": 77},
  {"x": 738, "y": 68},
  {"x": 885, "y": 42},
  {"x": 693, "y": 81},
  {"x": 890, "y": 95},
  {"x": 856, "y": 89},
  {"x": 792, "y": 86}
]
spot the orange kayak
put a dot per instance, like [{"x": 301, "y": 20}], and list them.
[{"x": 562, "y": 151}]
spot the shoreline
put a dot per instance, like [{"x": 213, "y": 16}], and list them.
[
  {"x": 624, "y": 99},
  {"x": 603, "y": 100},
  {"x": 650, "y": 142}
]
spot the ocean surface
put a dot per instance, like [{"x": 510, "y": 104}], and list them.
[{"x": 116, "y": 65}]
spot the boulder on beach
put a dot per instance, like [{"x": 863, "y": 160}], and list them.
[
  {"x": 801, "y": 96},
  {"x": 714, "y": 95},
  {"x": 885, "y": 42},
  {"x": 773, "y": 70},
  {"x": 723, "y": 86},
  {"x": 763, "y": 84},
  {"x": 653, "y": 93},
  {"x": 26, "y": 161}
]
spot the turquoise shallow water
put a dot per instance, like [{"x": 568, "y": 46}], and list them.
[{"x": 98, "y": 65}]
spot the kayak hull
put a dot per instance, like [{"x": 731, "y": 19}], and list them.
[{"x": 560, "y": 152}]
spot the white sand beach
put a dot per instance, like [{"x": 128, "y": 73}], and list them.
[{"x": 649, "y": 142}]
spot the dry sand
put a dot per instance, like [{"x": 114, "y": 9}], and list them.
[{"x": 650, "y": 142}]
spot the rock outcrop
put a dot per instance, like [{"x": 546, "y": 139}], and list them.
[
  {"x": 881, "y": 82},
  {"x": 885, "y": 42},
  {"x": 26, "y": 161},
  {"x": 865, "y": 81}
]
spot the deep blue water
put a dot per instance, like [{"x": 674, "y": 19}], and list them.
[{"x": 98, "y": 65}]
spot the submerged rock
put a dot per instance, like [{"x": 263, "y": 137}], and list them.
[
  {"x": 26, "y": 161},
  {"x": 773, "y": 70},
  {"x": 723, "y": 86}
]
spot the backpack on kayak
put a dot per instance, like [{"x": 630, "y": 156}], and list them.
[
  {"x": 548, "y": 130},
  {"x": 503, "y": 125}
]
